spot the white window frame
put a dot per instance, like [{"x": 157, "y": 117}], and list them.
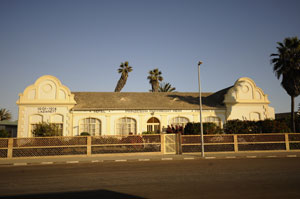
[
  {"x": 213, "y": 119},
  {"x": 90, "y": 125},
  {"x": 126, "y": 125},
  {"x": 179, "y": 121}
]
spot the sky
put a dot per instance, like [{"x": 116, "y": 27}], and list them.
[{"x": 83, "y": 42}]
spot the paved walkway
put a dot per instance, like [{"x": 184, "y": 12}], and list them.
[{"x": 131, "y": 157}]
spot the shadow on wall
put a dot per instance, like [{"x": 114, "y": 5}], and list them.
[{"x": 75, "y": 195}]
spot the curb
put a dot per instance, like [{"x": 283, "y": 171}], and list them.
[{"x": 149, "y": 159}]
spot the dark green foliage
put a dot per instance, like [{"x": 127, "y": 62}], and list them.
[
  {"x": 208, "y": 128},
  {"x": 287, "y": 65},
  {"x": 248, "y": 127},
  {"x": 4, "y": 134},
  {"x": 211, "y": 128},
  {"x": 154, "y": 79},
  {"x": 287, "y": 122},
  {"x": 84, "y": 134},
  {"x": 44, "y": 129},
  {"x": 166, "y": 87},
  {"x": 239, "y": 127},
  {"x": 4, "y": 114}
]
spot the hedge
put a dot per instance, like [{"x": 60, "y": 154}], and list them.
[
  {"x": 239, "y": 127},
  {"x": 208, "y": 128}
]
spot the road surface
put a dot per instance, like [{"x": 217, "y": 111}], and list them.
[{"x": 216, "y": 178}]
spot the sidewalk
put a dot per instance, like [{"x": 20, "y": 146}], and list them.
[{"x": 132, "y": 157}]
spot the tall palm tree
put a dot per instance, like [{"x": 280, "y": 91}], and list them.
[
  {"x": 287, "y": 65},
  {"x": 124, "y": 70},
  {"x": 154, "y": 79},
  {"x": 166, "y": 87},
  {"x": 4, "y": 114}
]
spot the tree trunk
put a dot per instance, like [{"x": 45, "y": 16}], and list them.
[
  {"x": 121, "y": 83},
  {"x": 155, "y": 86},
  {"x": 293, "y": 126}
]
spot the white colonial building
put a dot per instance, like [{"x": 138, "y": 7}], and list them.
[{"x": 110, "y": 113}]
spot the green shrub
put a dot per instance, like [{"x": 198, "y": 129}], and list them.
[
  {"x": 211, "y": 128},
  {"x": 208, "y": 128},
  {"x": 4, "y": 134},
  {"x": 249, "y": 127},
  {"x": 273, "y": 126},
  {"x": 241, "y": 127},
  {"x": 84, "y": 134},
  {"x": 44, "y": 129}
]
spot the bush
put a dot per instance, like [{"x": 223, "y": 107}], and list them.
[
  {"x": 240, "y": 127},
  {"x": 4, "y": 134},
  {"x": 211, "y": 128},
  {"x": 249, "y": 127},
  {"x": 44, "y": 129},
  {"x": 208, "y": 128},
  {"x": 84, "y": 134}
]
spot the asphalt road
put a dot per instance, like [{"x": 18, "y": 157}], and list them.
[{"x": 227, "y": 178}]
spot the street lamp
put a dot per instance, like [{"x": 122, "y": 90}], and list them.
[{"x": 200, "y": 107}]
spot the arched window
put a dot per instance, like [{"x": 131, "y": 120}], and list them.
[
  {"x": 126, "y": 126},
  {"x": 58, "y": 120},
  {"x": 179, "y": 121},
  {"x": 91, "y": 126},
  {"x": 153, "y": 125},
  {"x": 34, "y": 120},
  {"x": 215, "y": 120}
]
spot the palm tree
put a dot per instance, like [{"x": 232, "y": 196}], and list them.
[
  {"x": 4, "y": 114},
  {"x": 154, "y": 79},
  {"x": 287, "y": 65},
  {"x": 124, "y": 70},
  {"x": 166, "y": 87}
]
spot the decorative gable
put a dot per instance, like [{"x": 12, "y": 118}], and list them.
[
  {"x": 245, "y": 91},
  {"x": 47, "y": 90}
]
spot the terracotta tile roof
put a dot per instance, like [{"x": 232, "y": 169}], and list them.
[{"x": 147, "y": 100}]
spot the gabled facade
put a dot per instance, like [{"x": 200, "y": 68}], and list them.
[{"x": 114, "y": 113}]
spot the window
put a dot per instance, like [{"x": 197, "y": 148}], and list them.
[
  {"x": 91, "y": 126},
  {"x": 126, "y": 126},
  {"x": 179, "y": 121},
  {"x": 58, "y": 121},
  {"x": 153, "y": 125},
  {"x": 59, "y": 127},
  {"x": 34, "y": 120},
  {"x": 215, "y": 120}
]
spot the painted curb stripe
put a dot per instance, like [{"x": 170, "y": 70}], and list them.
[
  {"x": 144, "y": 159},
  {"x": 72, "y": 162},
  {"x": 291, "y": 156},
  {"x": 20, "y": 164},
  {"x": 167, "y": 159},
  {"x": 210, "y": 157},
  {"x": 93, "y": 161},
  {"x": 251, "y": 156},
  {"x": 189, "y": 158},
  {"x": 230, "y": 157},
  {"x": 46, "y": 162},
  {"x": 120, "y": 160}
]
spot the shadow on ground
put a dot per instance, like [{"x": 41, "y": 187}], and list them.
[{"x": 75, "y": 195}]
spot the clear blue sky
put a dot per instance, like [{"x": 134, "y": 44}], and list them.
[{"x": 83, "y": 43}]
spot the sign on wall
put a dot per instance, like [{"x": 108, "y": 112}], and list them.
[{"x": 46, "y": 109}]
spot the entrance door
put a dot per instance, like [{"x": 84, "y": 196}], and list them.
[{"x": 153, "y": 125}]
